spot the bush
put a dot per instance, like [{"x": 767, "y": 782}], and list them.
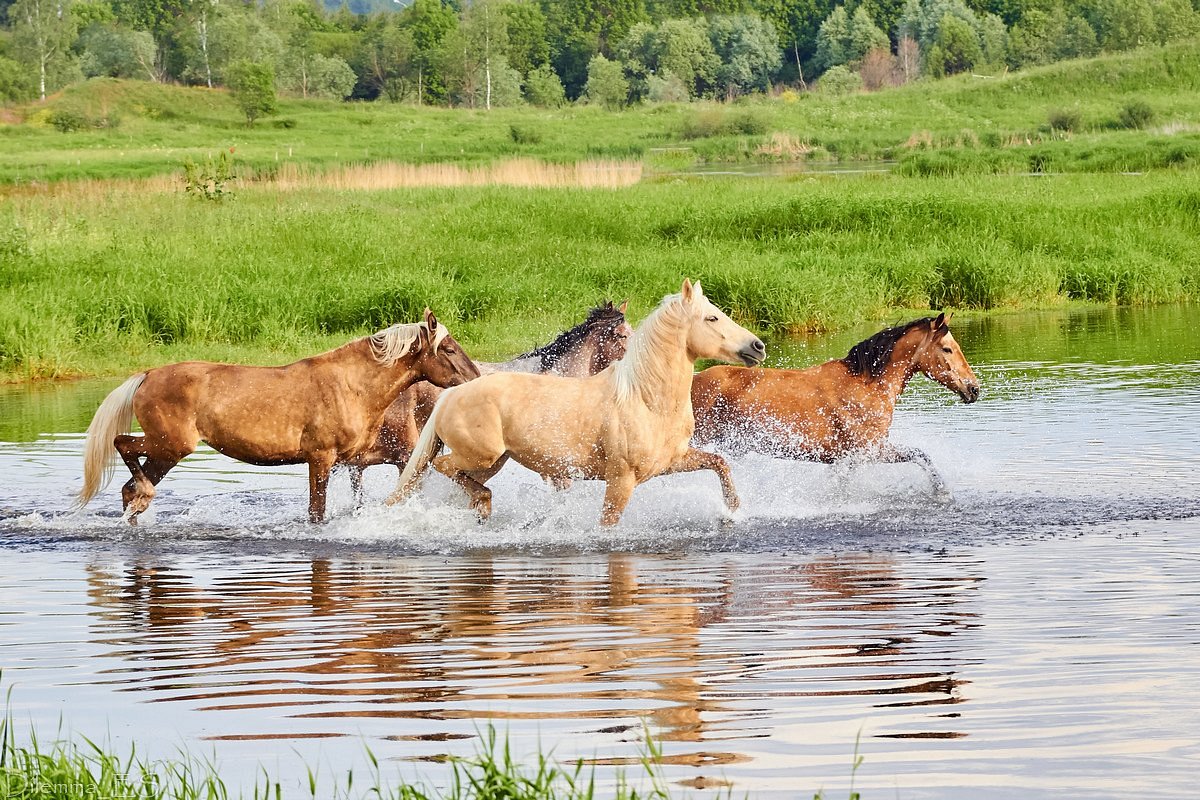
[
  {"x": 1064, "y": 119},
  {"x": 525, "y": 134},
  {"x": 606, "y": 83},
  {"x": 253, "y": 88},
  {"x": 1135, "y": 114},
  {"x": 69, "y": 120},
  {"x": 544, "y": 89},
  {"x": 839, "y": 80},
  {"x": 747, "y": 123},
  {"x": 666, "y": 88}
]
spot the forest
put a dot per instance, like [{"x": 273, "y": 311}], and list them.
[{"x": 547, "y": 53}]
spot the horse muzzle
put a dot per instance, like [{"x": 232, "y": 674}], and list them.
[
  {"x": 753, "y": 354},
  {"x": 970, "y": 393}
]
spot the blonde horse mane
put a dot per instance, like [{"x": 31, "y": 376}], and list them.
[
  {"x": 392, "y": 344},
  {"x": 642, "y": 363}
]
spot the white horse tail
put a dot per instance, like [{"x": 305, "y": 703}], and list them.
[
  {"x": 113, "y": 417},
  {"x": 423, "y": 452}
]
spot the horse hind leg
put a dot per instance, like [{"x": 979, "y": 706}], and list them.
[
  {"x": 137, "y": 493},
  {"x": 472, "y": 481}
]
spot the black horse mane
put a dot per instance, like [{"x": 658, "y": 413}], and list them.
[
  {"x": 873, "y": 355},
  {"x": 605, "y": 315}
]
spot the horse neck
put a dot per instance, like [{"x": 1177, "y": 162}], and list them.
[
  {"x": 576, "y": 362},
  {"x": 657, "y": 365},
  {"x": 377, "y": 385},
  {"x": 901, "y": 366}
]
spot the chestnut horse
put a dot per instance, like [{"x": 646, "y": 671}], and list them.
[
  {"x": 624, "y": 425},
  {"x": 837, "y": 409},
  {"x": 583, "y": 350},
  {"x": 313, "y": 411}
]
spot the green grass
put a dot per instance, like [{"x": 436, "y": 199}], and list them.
[
  {"x": 150, "y": 129},
  {"x": 104, "y": 281},
  {"x": 65, "y": 769}
]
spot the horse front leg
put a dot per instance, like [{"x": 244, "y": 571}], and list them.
[
  {"x": 695, "y": 460},
  {"x": 618, "y": 488},
  {"x": 319, "y": 468},
  {"x": 911, "y": 455}
]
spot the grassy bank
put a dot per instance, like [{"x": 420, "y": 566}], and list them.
[
  {"x": 104, "y": 280},
  {"x": 1062, "y": 117}
]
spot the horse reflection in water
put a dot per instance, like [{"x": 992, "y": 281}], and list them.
[
  {"x": 701, "y": 658},
  {"x": 840, "y": 409}
]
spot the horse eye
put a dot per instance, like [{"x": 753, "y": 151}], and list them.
[
  {"x": 711, "y": 319},
  {"x": 947, "y": 350}
]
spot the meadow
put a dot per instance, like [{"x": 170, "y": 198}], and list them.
[
  {"x": 108, "y": 279},
  {"x": 1070, "y": 116},
  {"x": 345, "y": 218}
]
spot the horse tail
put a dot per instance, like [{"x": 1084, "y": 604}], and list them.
[
  {"x": 113, "y": 418},
  {"x": 428, "y": 443}
]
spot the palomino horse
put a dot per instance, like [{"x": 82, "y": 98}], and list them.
[
  {"x": 313, "y": 412},
  {"x": 623, "y": 425},
  {"x": 837, "y": 409},
  {"x": 583, "y": 350}
]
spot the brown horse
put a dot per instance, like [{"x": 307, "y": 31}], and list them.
[
  {"x": 623, "y": 425},
  {"x": 583, "y": 350},
  {"x": 314, "y": 411},
  {"x": 837, "y": 409}
]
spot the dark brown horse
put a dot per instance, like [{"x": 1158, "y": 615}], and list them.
[
  {"x": 837, "y": 409},
  {"x": 315, "y": 411},
  {"x": 584, "y": 350}
]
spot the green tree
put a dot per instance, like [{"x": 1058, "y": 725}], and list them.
[
  {"x": 42, "y": 34},
  {"x": 797, "y": 23},
  {"x": 606, "y": 84},
  {"x": 1174, "y": 20},
  {"x": 993, "y": 41},
  {"x": 252, "y": 87},
  {"x": 384, "y": 59},
  {"x": 864, "y": 36},
  {"x": 15, "y": 85},
  {"x": 430, "y": 23},
  {"x": 528, "y": 47},
  {"x": 955, "y": 49},
  {"x": 1078, "y": 39},
  {"x": 833, "y": 39},
  {"x": 747, "y": 48},
  {"x": 679, "y": 46},
  {"x": 117, "y": 53},
  {"x": 543, "y": 88},
  {"x": 1124, "y": 24}
]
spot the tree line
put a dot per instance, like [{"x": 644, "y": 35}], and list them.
[{"x": 485, "y": 53}]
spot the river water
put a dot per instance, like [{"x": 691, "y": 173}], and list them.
[{"x": 1038, "y": 636}]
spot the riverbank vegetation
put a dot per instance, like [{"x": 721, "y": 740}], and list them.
[
  {"x": 102, "y": 279},
  {"x": 70, "y": 770},
  {"x": 1126, "y": 112}
]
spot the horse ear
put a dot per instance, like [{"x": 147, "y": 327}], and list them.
[
  {"x": 940, "y": 322},
  {"x": 686, "y": 290},
  {"x": 431, "y": 322},
  {"x": 624, "y": 305},
  {"x": 696, "y": 288}
]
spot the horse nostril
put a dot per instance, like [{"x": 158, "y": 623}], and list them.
[{"x": 758, "y": 346}]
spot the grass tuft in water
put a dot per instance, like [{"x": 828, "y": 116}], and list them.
[{"x": 84, "y": 770}]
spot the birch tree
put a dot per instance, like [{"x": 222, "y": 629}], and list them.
[{"x": 43, "y": 30}]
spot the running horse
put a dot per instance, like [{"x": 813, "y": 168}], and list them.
[
  {"x": 314, "y": 411},
  {"x": 623, "y": 425},
  {"x": 838, "y": 409},
  {"x": 583, "y": 350}
]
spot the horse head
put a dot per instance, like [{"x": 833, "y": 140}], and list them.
[
  {"x": 609, "y": 335},
  {"x": 438, "y": 358},
  {"x": 712, "y": 334},
  {"x": 942, "y": 360}
]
